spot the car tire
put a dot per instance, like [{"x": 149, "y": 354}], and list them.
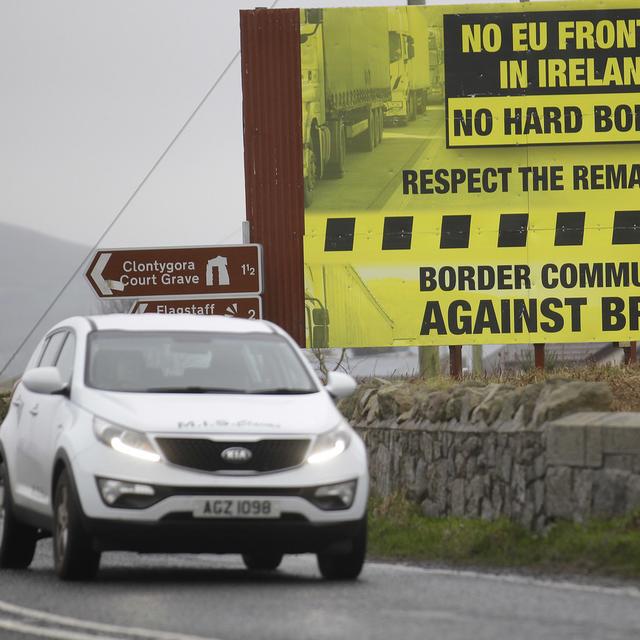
[
  {"x": 17, "y": 540},
  {"x": 264, "y": 561},
  {"x": 345, "y": 566},
  {"x": 337, "y": 158},
  {"x": 370, "y": 137},
  {"x": 73, "y": 552}
]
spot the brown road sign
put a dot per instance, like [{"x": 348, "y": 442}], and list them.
[
  {"x": 233, "y": 306},
  {"x": 177, "y": 271}
]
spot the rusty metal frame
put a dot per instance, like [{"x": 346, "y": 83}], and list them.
[{"x": 272, "y": 112}]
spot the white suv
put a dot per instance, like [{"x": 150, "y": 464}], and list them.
[{"x": 158, "y": 433}]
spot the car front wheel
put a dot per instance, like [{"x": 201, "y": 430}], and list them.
[
  {"x": 73, "y": 553},
  {"x": 17, "y": 540},
  {"x": 345, "y": 566}
]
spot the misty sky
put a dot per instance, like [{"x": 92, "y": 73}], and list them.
[{"x": 93, "y": 91}]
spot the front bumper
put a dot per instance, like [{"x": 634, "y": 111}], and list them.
[
  {"x": 185, "y": 534},
  {"x": 169, "y": 525},
  {"x": 395, "y": 109}
]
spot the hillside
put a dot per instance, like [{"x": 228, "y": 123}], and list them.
[{"x": 33, "y": 268}]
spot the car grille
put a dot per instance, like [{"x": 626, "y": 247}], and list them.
[{"x": 206, "y": 455}]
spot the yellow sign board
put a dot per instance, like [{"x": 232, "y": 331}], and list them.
[{"x": 479, "y": 191}]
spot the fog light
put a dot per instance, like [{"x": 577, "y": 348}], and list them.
[
  {"x": 117, "y": 493},
  {"x": 335, "y": 496}
]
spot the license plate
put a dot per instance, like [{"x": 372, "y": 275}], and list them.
[{"x": 236, "y": 508}]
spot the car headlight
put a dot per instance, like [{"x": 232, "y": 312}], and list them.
[
  {"x": 127, "y": 441},
  {"x": 329, "y": 445}
]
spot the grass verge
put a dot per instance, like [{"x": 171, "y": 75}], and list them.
[
  {"x": 398, "y": 531},
  {"x": 4, "y": 405}
]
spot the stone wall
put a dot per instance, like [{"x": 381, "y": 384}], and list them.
[
  {"x": 533, "y": 454},
  {"x": 499, "y": 450},
  {"x": 593, "y": 466}
]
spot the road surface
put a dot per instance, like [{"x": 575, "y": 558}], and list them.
[
  {"x": 185, "y": 597},
  {"x": 372, "y": 180}
]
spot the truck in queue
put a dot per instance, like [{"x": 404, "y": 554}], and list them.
[
  {"x": 408, "y": 65},
  {"x": 341, "y": 310},
  {"x": 436, "y": 64},
  {"x": 345, "y": 85}
]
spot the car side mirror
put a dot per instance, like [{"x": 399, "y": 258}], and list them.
[
  {"x": 411, "y": 49},
  {"x": 44, "y": 380},
  {"x": 340, "y": 385}
]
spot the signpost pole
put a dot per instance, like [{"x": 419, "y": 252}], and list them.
[{"x": 539, "y": 356}]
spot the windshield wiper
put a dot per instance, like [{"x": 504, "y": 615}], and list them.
[
  {"x": 193, "y": 389},
  {"x": 283, "y": 391}
]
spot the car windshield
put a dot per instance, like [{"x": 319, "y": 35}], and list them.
[{"x": 195, "y": 362}]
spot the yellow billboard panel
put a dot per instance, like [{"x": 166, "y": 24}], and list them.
[{"x": 474, "y": 178}]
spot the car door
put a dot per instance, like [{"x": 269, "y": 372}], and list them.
[
  {"x": 29, "y": 488},
  {"x": 55, "y": 412}
]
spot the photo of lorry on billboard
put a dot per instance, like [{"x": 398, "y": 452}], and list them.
[
  {"x": 341, "y": 103},
  {"x": 488, "y": 192}
]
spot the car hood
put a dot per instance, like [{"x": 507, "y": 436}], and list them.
[{"x": 195, "y": 413}]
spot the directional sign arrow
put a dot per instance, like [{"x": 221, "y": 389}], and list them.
[
  {"x": 106, "y": 287},
  {"x": 236, "y": 306}
]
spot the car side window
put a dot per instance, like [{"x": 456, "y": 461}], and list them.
[
  {"x": 52, "y": 349},
  {"x": 65, "y": 360},
  {"x": 36, "y": 355}
]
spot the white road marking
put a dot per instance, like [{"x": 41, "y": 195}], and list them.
[
  {"x": 85, "y": 625},
  {"x": 563, "y": 585},
  {"x": 69, "y": 628},
  {"x": 43, "y": 632}
]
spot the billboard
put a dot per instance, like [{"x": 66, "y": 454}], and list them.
[{"x": 471, "y": 174}]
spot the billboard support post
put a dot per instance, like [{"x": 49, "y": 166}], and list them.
[
  {"x": 476, "y": 360},
  {"x": 631, "y": 353},
  {"x": 429, "y": 361},
  {"x": 455, "y": 361},
  {"x": 538, "y": 350},
  {"x": 428, "y": 357}
]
